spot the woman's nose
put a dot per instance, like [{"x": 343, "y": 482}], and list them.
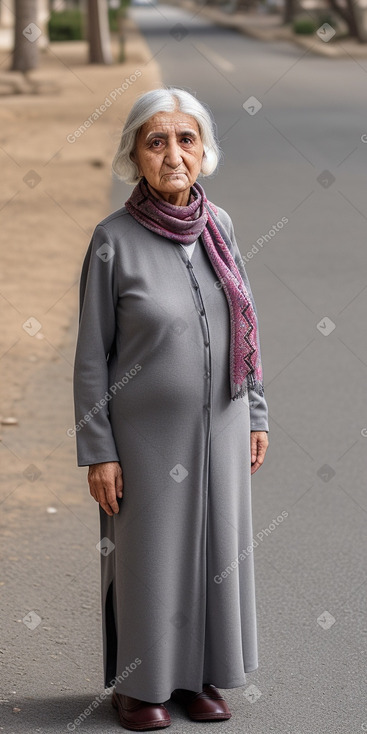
[{"x": 173, "y": 154}]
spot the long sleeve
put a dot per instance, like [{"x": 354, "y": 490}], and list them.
[
  {"x": 96, "y": 335},
  {"x": 259, "y": 419}
]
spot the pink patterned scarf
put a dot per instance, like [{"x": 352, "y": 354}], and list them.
[{"x": 184, "y": 224}]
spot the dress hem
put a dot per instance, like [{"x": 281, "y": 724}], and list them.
[{"x": 161, "y": 698}]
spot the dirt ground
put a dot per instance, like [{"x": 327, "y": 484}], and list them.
[{"x": 54, "y": 189}]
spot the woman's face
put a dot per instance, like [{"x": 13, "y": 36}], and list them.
[{"x": 169, "y": 152}]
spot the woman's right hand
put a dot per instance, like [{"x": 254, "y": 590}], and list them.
[{"x": 105, "y": 485}]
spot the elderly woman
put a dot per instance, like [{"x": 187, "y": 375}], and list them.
[{"x": 172, "y": 421}]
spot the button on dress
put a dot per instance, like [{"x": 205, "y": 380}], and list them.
[{"x": 152, "y": 374}]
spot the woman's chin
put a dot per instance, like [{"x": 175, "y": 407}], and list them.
[
  {"x": 177, "y": 179},
  {"x": 177, "y": 184}
]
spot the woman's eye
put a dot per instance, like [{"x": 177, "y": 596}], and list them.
[{"x": 184, "y": 140}]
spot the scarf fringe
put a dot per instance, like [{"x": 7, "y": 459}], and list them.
[{"x": 241, "y": 391}]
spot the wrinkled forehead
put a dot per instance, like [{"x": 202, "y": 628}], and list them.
[{"x": 169, "y": 122}]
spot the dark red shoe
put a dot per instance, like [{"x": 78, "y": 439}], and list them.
[
  {"x": 208, "y": 705},
  {"x": 140, "y": 715}
]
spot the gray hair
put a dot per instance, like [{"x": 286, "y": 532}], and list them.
[{"x": 165, "y": 99}]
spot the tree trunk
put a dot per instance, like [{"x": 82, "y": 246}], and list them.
[
  {"x": 290, "y": 8},
  {"x": 27, "y": 32},
  {"x": 356, "y": 13},
  {"x": 99, "y": 33},
  {"x": 352, "y": 14}
]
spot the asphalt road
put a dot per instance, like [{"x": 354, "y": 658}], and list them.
[{"x": 309, "y": 282}]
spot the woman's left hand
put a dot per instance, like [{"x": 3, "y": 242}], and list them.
[{"x": 259, "y": 444}]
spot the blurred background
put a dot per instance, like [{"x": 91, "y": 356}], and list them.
[{"x": 286, "y": 84}]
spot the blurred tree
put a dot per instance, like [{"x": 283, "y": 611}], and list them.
[
  {"x": 99, "y": 33},
  {"x": 353, "y": 15},
  {"x": 290, "y": 9},
  {"x": 27, "y": 32}
]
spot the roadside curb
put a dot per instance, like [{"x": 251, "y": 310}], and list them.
[{"x": 279, "y": 33}]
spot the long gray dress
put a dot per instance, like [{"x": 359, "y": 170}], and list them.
[{"x": 152, "y": 391}]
